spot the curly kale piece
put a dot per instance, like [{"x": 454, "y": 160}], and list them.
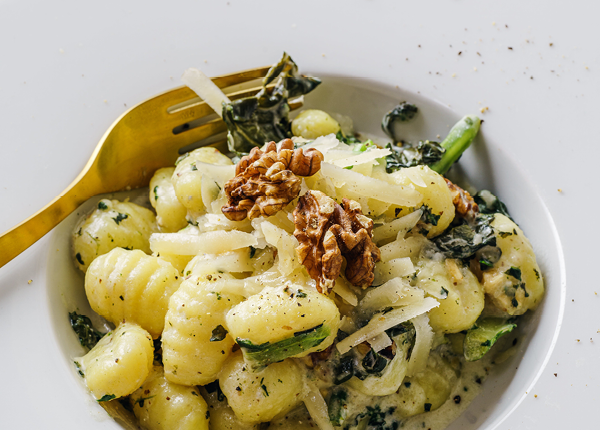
[
  {"x": 82, "y": 326},
  {"x": 403, "y": 112},
  {"x": 252, "y": 121},
  {"x": 425, "y": 152},
  {"x": 464, "y": 240},
  {"x": 490, "y": 204}
]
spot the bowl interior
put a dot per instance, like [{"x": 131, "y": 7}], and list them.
[{"x": 485, "y": 165}]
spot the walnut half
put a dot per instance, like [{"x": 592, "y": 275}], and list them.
[
  {"x": 462, "y": 200},
  {"x": 265, "y": 182},
  {"x": 327, "y": 232}
]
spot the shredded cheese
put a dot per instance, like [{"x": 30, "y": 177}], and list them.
[
  {"x": 212, "y": 242},
  {"x": 423, "y": 342},
  {"x": 202, "y": 85},
  {"x": 383, "y": 321}
]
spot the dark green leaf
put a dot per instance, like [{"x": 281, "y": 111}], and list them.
[
  {"x": 79, "y": 259},
  {"x": 106, "y": 398},
  {"x": 374, "y": 363},
  {"x": 82, "y": 326},
  {"x": 102, "y": 206},
  {"x": 338, "y": 406},
  {"x": 252, "y": 121},
  {"x": 401, "y": 113},
  {"x": 156, "y": 193},
  {"x": 407, "y": 155},
  {"x": 428, "y": 216},
  {"x": 344, "y": 370},
  {"x": 464, "y": 240},
  {"x": 515, "y": 272},
  {"x": 490, "y": 204}
]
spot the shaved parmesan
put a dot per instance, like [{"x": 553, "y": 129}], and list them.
[
  {"x": 202, "y": 85},
  {"x": 402, "y": 248},
  {"x": 370, "y": 187},
  {"x": 213, "y": 242},
  {"x": 398, "y": 267},
  {"x": 379, "y": 342},
  {"x": 370, "y": 156},
  {"x": 399, "y": 227},
  {"x": 383, "y": 321},
  {"x": 316, "y": 406},
  {"x": 395, "y": 292},
  {"x": 342, "y": 289},
  {"x": 286, "y": 246},
  {"x": 423, "y": 342}
]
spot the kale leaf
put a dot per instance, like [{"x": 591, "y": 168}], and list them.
[
  {"x": 490, "y": 204},
  {"x": 82, "y": 326},
  {"x": 252, "y": 121},
  {"x": 426, "y": 152},
  {"x": 403, "y": 112},
  {"x": 464, "y": 240}
]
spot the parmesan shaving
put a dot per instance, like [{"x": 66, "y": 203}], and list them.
[
  {"x": 399, "y": 227},
  {"x": 395, "y": 292},
  {"x": 370, "y": 187},
  {"x": 402, "y": 248},
  {"x": 370, "y": 156},
  {"x": 398, "y": 267},
  {"x": 316, "y": 406},
  {"x": 341, "y": 289},
  {"x": 379, "y": 342},
  {"x": 286, "y": 246},
  {"x": 383, "y": 321},
  {"x": 202, "y": 85},
  {"x": 423, "y": 342},
  {"x": 213, "y": 242}
]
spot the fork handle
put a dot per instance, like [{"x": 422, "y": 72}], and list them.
[{"x": 22, "y": 236}]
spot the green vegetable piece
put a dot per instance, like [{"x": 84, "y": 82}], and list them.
[
  {"x": 464, "y": 240},
  {"x": 218, "y": 334},
  {"x": 82, "y": 326},
  {"x": 490, "y": 204},
  {"x": 338, "y": 406},
  {"x": 425, "y": 153},
  {"x": 403, "y": 112},
  {"x": 252, "y": 121},
  {"x": 106, "y": 398},
  {"x": 260, "y": 356},
  {"x": 457, "y": 141},
  {"x": 484, "y": 335}
]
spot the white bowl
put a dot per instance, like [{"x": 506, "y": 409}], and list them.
[{"x": 485, "y": 165}]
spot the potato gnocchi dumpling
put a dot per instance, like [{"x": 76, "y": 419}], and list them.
[
  {"x": 119, "y": 363},
  {"x": 187, "y": 179},
  {"x": 436, "y": 195},
  {"x": 196, "y": 315},
  {"x": 130, "y": 286},
  {"x": 260, "y": 396},
  {"x": 170, "y": 213},
  {"x": 222, "y": 416},
  {"x": 312, "y": 123},
  {"x": 162, "y": 405},
  {"x": 112, "y": 225},
  {"x": 457, "y": 289},
  {"x": 280, "y": 313},
  {"x": 515, "y": 283}
]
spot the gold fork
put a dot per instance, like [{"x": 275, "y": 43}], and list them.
[{"x": 145, "y": 138}]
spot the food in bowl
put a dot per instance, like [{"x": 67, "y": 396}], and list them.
[{"x": 318, "y": 279}]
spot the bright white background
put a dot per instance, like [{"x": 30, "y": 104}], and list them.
[{"x": 69, "y": 68}]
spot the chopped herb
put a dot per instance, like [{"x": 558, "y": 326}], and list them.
[
  {"x": 464, "y": 240},
  {"x": 156, "y": 193},
  {"x": 515, "y": 272},
  {"x": 207, "y": 414},
  {"x": 181, "y": 158},
  {"x": 428, "y": 216},
  {"x": 504, "y": 234},
  {"x": 444, "y": 292},
  {"x": 252, "y": 252},
  {"x": 300, "y": 294},
  {"x": 349, "y": 140},
  {"x": 120, "y": 217},
  {"x": 82, "y": 326},
  {"x": 79, "y": 259},
  {"x": 490, "y": 204},
  {"x": 537, "y": 274},
  {"x": 106, "y": 398},
  {"x": 338, "y": 406},
  {"x": 102, "y": 206},
  {"x": 217, "y": 294},
  {"x": 427, "y": 407},
  {"x": 264, "y": 388},
  {"x": 407, "y": 384},
  {"x": 514, "y": 302},
  {"x": 193, "y": 167},
  {"x": 485, "y": 264},
  {"x": 344, "y": 370},
  {"x": 484, "y": 335},
  {"x": 218, "y": 334},
  {"x": 141, "y": 400}
]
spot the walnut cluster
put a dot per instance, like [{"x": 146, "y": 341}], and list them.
[
  {"x": 266, "y": 181},
  {"x": 462, "y": 200},
  {"x": 327, "y": 232}
]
